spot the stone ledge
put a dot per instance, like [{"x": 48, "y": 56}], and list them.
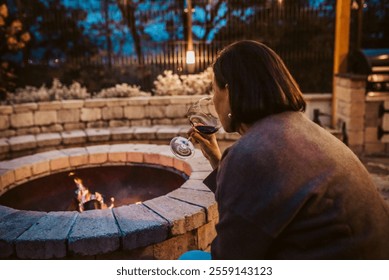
[
  {"x": 139, "y": 226},
  {"x": 29, "y": 144},
  {"x": 94, "y": 232},
  {"x": 4, "y": 211},
  {"x": 24, "y": 142},
  {"x": 182, "y": 217},
  {"x": 47, "y": 238},
  {"x": 202, "y": 199},
  {"x": 12, "y": 226}
]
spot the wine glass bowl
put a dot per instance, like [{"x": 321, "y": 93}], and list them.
[{"x": 203, "y": 118}]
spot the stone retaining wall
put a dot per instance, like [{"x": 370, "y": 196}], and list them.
[
  {"x": 69, "y": 115},
  {"x": 36, "y": 127},
  {"x": 160, "y": 228}
]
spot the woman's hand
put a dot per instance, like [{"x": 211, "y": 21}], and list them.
[{"x": 208, "y": 145}]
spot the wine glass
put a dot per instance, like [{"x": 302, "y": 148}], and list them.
[{"x": 203, "y": 118}]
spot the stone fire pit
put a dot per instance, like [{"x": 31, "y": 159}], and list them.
[{"x": 160, "y": 228}]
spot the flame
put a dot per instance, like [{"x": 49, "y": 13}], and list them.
[
  {"x": 79, "y": 184},
  {"x": 84, "y": 195}
]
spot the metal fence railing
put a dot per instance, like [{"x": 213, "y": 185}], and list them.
[{"x": 153, "y": 33}]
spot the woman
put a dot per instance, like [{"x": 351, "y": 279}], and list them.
[{"x": 287, "y": 189}]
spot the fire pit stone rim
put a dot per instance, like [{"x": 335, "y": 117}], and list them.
[{"x": 29, "y": 167}]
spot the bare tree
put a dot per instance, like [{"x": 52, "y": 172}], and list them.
[
  {"x": 107, "y": 31},
  {"x": 128, "y": 8},
  {"x": 213, "y": 15}
]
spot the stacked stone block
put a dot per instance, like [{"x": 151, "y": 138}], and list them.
[
  {"x": 373, "y": 123},
  {"x": 350, "y": 108},
  {"x": 361, "y": 114}
]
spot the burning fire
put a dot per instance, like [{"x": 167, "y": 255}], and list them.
[{"x": 87, "y": 200}]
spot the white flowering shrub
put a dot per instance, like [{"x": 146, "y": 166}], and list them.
[
  {"x": 60, "y": 92},
  {"x": 57, "y": 91},
  {"x": 165, "y": 84},
  {"x": 122, "y": 90},
  {"x": 192, "y": 84},
  {"x": 28, "y": 94},
  {"x": 168, "y": 84}
]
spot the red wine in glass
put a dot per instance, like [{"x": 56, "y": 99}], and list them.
[{"x": 206, "y": 129}]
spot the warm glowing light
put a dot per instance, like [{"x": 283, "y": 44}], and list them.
[
  {"x": 190, "y": 57},
  {"x": 83, "y": 195},
  {"x": 354, "y": 5},
  {"x": 382, "y": 57}
]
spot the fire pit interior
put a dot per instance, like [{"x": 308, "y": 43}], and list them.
[{"x": 126, "y": 184}]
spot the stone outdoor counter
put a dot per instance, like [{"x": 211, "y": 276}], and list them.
[{"x": 160, "y": 228}]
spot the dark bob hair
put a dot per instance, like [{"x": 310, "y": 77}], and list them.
[{"x": 258, "y": 81}]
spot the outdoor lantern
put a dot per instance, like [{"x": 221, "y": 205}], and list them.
[{"x": 190, "y": 57}]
